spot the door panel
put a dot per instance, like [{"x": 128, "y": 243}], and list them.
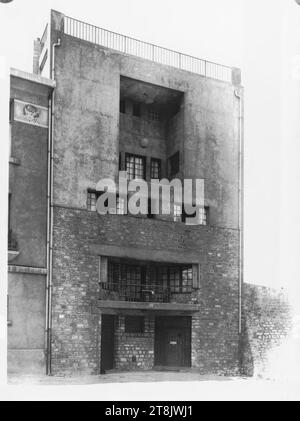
[
  {"x": 107, "y": 343},
  {"x": 173, "y": 341}
]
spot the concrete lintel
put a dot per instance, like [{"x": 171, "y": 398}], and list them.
[
  {"x": 32, "y": 78},
  {"x": 125, "y": 305},
  {"x": 25, "y": 269},
  {"x": 134, "y": 253}
]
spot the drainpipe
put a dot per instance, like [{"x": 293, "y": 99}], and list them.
[
  {"x": 238, "y": 94},
  {"x": 50, "y": 217}
]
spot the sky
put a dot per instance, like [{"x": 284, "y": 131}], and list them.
[{"x": 262, "y": 37}]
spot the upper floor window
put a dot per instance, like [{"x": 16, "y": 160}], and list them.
[
  {"x": 120, "y": 205},
  {"x": 135, "y": 167},
  {"x": 92, "y": 198},
  {"x": 153, "y": 115},
  {"x": 174, "y": 164},
  {"x": 177, "y": 213},
  {"x": 203, "y": 215},
  {"x": 155, "y": 170}
]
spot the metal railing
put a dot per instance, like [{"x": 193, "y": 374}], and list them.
[
  {"x": 145, "y": 50},
  {"x": 12, "y": 242},
  {"x": 138, "y": 292}
]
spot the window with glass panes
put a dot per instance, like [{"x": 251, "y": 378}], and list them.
[
  {"x": 177, "y": 213},
  {"x": 153, "y": 115},
  {"x": 135, "y": 167},
  {"x": 131, "y": 276},
  {"x": 203, "y": 216},
  {"x": 133, "y": 279},
  {"x": 120, "y": 205},
  {"x": 92, "y": 197},
  {"x": 155, "y": 170}
]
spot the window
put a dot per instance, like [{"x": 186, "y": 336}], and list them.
[
  {"x": 174, "y": 279},
  {"x": 177, "y": 213},
  {"x": 132, "y": 280},
  {"x": 136, "y": 109},
  {"x": 92, "y": 198},
  {"x": 135, "y": 167},
  {"x": 134, "y": 324},
  {"x": 173, "y": 164},
  {"x": 122, "y": 106},
  {"x": 120, "y": 205},
  {"x": 203, "y": 215},
  {"x": 187, "y": 279},
  {"x": 153, "y": 115},
  {"x": 155, "y": 171}
]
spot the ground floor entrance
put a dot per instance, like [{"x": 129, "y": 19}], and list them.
[
  {"x": 131, "y": 342},
  {"x": 173, "y": 341}
]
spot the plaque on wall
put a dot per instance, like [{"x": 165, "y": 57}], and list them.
[{"x": 26, "y": 112}]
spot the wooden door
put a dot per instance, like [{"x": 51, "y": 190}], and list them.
[{"x": 107, "y": 343}]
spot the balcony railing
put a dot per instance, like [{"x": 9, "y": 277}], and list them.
[
  {"x": 138, "y": 292},
  {"x": 145, "y": 50},
  {"x": 141, "y": 293},
  {"x": 12, "y": 242}
]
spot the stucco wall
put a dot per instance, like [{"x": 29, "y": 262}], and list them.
[
  {"x": 87, "y": 124},
  {"x": 28, "y": 180},
  {"x": 26, "y": 330}
]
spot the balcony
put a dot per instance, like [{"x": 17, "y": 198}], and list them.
[
  {"x": 137, "y": 293},
  {"x": 13, "y": 250},
  {"x": 145, "y": 297}
]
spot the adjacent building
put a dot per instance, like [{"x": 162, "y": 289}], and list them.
[{"x": 88, "y": 293}]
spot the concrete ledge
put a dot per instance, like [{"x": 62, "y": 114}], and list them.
[
  {"x": 148, "y": 306},
  {"x": 166, "y": 256},
  {"x": 25, "y": 269},
  {"x": 32, "y": 77}
]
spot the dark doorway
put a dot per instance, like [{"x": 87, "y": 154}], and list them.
[
  {"x": 107, "y": 343},
  {"x": 173, "y": 341}
]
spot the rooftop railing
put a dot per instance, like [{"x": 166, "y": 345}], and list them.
[{"x": 128, "y": 45}]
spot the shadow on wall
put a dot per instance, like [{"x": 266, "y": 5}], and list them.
[{"x": 267, "y": 322}]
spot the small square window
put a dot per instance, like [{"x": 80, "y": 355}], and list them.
[
  {"x": 120, "y": 206},
  {"x": 134, "y": 324},
  {"x": 203, "y": 215},
  {"x": 153, "y": 115},
  {"x": 92, "y": 201},
  {"x": 177, "y": 213}
]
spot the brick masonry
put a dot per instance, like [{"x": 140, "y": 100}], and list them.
[
  {"x": 266, "y": 325},
  {"x": 76, "y": 331},
  {"x": 135, "y": 351},
  {"x": 216, "y": 345}
]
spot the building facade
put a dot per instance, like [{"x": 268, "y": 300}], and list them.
[{"x": 89, "y": 293}]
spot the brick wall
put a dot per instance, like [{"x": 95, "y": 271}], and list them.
[
  {"x": 135, "y": 351},
  {"x": 76, "y": 330},
  {"x": 266, "y": 323}
]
